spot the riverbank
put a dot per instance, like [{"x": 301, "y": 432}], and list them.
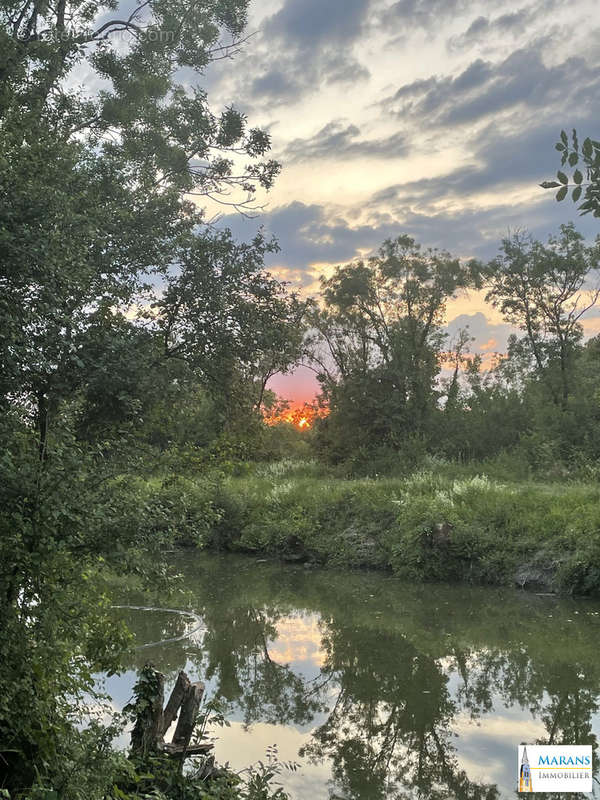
[{"x": 429, "y": 526}]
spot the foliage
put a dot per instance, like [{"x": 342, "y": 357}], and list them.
[
  {"x": 584, "y": 183},
  {"x": 154, "y": 774},
  {"x": 116, "y": 297},
  {"x": 145, "y": 117},
  {"x": 542, "y": 289},
  {"x": 378, "y": 345},
  {"x": 227, "y": 318},
  {"x": 428, "y": 525},
  {"x": 136, "y": 345}
]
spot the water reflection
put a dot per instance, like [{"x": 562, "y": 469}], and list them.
[{"x": 385, "y": 682}]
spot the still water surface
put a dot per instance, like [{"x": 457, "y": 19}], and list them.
[{"x": 378, "y": 689}]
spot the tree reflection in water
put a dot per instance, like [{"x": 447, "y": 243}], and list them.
[{"x": 400, "y": 665}]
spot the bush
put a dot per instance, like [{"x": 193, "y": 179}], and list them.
[{"x": 428, "y": 526}]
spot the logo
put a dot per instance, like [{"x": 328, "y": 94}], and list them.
[{"x": 555, "y": 768}]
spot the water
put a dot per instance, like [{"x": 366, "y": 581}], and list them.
[{"x": 378, "y": 689}]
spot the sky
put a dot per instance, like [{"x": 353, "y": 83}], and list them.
[{"x": 436, "y": 118}]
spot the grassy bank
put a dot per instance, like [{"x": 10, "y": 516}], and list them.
[{"x": 437, "y": 524}]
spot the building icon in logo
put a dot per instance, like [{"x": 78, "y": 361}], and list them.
[{"x": 525, "y": 773}]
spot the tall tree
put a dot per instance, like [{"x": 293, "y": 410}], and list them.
[
  {"x": 227, "y": 317},
  {"x": 98, "y": 191},
  {"x": 98, "y": 220},
  {"x": 379, "y": 341},
  {"x": 545, "y": 290},
  {"x": 149, "y": 110}
]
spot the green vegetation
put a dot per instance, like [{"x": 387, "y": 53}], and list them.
[
  {"x": 396, "y": 386},
  {"x": 137, "y": 340},
  {"x": 441, "y": 523},
  {"x": 118, "y": 301},
  {"x": 584, "y": 160}
]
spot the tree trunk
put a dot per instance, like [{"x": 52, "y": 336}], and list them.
[
  {"x": 178, "y": 695},
  {"x": 187, "y": 717},
  {"x": 152, "y": 723},
  {"x": 42, "y": 424}
]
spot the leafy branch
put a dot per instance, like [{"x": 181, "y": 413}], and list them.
[{"x": 585, "y": 179}]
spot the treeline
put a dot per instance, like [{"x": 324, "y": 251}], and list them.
[{"x": 397, "y": 387}]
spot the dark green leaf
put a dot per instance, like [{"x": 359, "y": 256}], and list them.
[{"x": 562, "y": 193}]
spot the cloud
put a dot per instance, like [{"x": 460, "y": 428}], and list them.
[
  {"x": 297, "y": 74},
  {"x": 422, "y": 13},
  {"x": 485, "y": 89},
  {"x": 305, "y": 45},
  {"x": 313, "y": 235},
  {"x": 342, "y": 139},
  {"x": 488, "y": 337},
  {"x": 503, "y": 165},
  {"x": 512, "y": 23},
  {"x": 308, "y": 23}
]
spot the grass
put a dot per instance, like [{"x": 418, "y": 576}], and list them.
[{"x": 440, "y": 523}]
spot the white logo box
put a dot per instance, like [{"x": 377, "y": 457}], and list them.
[{"x": 556, "y": 768}]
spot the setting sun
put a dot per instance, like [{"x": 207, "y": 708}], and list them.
[{"x": 301, "y": 417}]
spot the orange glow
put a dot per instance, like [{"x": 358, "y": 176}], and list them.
[{"x": 301, "y": 417}]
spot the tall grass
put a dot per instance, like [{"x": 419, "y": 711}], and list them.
[{"x": 436, "y": 524}]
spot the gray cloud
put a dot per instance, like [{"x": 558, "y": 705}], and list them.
[
  {"x": 502, "y": 161},
  {"x": 484, "y": 89},
  {"x": 422, "y": 13},
  {"x": 312, "y": 233},
  {"x": 307, "y": 44},
  {"x": 291, "y": 79},
  {"x": 342, "y": 139},
  {"x": 306, "y": 23},
  {"x": 513, "y": 22}
]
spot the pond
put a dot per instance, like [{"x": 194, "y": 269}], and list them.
[{"x": 376, "y": 688}]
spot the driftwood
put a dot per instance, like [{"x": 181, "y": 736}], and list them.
[{"x": 152, "y": 722}]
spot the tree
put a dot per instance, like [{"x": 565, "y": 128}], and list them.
[
  {"x": 378, "y": 341},
  {"x": 78, "y": 243},
  {"x": 545, "y": 290},
  {"x": 584, "y": 183},
  {"x": 149, "y": 114},
  {"x": 97, "y": 222},
  {"x": 227, "y": 317},
  {"x": 96, "y": 191}
]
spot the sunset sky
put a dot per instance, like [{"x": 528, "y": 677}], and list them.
[{"x": 436, "y": 118}]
